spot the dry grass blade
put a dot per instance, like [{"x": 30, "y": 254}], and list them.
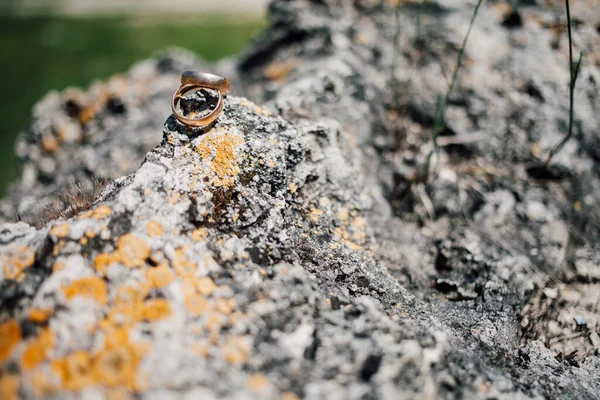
[{"x": 77, "y": 197}]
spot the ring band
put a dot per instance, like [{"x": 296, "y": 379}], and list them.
[{"x": 191, "y": 80}]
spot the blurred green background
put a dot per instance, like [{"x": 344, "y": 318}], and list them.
[{"x": 40, "y": 53}]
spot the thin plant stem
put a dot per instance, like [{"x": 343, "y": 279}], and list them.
[
  {"x": 441, "y": 109},
  {"x": 574, "y": 72},
  {"x": 395, "y": 55}
]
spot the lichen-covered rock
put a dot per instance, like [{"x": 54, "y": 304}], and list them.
[
  {"x": 100, "y": 134},
  {"x": 298, "y": 249}
]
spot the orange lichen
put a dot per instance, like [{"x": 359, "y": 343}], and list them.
[
  {"x": 60, "y": 231},
  {"x": 15, "y": 260},
  {"x": 90, "y": 234},
  {"x": 91, "y": 287},
  {"x": 101, "y": 212},
  {"x": 132, "y": 251},
  {"x": 214, "y": 321},
  {"x": 225, "y": 306},
  {"x": 279, "y": 71},
  {"x": 345, "y": 238},
  {"x": 154, "y": 228},
  {"x": 315, "y": 214},
  {"x": 220, "y": 150},
  {"x": 160, "y": 276},
  {"x": 42, "y": 383},
  {"x": 9, "y": 387},
  {"x": 10, "y": 335},
  {"x": 58, "y": 265},
  {"x": 197, "y": 305},
  {"x": 131, "y": 295},
  {"x": 50, "y": 144},
  {"x": 205, "y": 286},
  {"x": 40, "y": 315},
  {"x": 58, "y": 247},
  {"x": 289, "y": 396},
  {"x": 104, "y": 260},
  {"x": 156, "y": 309},
  {"x": 119, "y": 393},
  {"x": 38, "y": 349},
  {"x": 128, "y": 306},
  {"x": 75, "y": 370},
  {"x": 200, "y": 348},
  {"x": 199, "y": 234},
  {"x": 257, "y": 382},
  {"x": 236, "y": 350},
  {"x": 115, "y": 365},
  {"x": 184, "y": 267}
]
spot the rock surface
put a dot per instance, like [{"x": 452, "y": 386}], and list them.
[{"x": 298, "y": 249}]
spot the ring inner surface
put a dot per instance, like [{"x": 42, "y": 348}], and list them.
[{"x": 197, "y": 102}]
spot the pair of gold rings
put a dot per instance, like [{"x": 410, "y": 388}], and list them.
[{"x": 194, "y": 81}]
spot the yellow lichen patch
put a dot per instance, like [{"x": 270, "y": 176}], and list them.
[
  {"x": 200, "y": 348},
  {"x": 214, "y": 321},
  {"x": 257, "y": 382},
  {"x": 132, "y": 251},
  {"x": 75, "y": 370},
  {"x": 119, "y": 393},
  {"x": 352, "y": 234},
  {"x": 58, "y": 265},
  {"x": 280, "y": 71},
  {"x": 10, "y": 335},
  {"x": 314, "y": 215},
  {"x": 42, "y": 383},
  {"x": 236, "y": 350},
  {"x": 199, "y": 234},
  {"x": 225, "y": 306},
  {"x": 197, "y": 305},
  {"x": 131, "y": 295},
  {"x": 58, "y": 247},
  {"x": 293, "y": 188},
  {"x": 50, "y": 144},
  {"x": 160, "y": 276},
  {"x": 220, "y": 150},
  {"x": 91, "y": 287},
  {"x": 115, "y": 365},
  {"x": 156, "y": 309},
  {"x": 9, "y": 387},
  {"x": 15, "y": 260},
  {"x": 38, "y": 349},
  {"x": 174, "y": 198},
  {"x": 40, "y": 315},
  {"x": 205, "y": 286},
  {"x": 289, "y": 396},
  {"x": 90, "y": 234},
  {"x": 154, "y": 228},
  {"x": 128, "y": 306},
  {"x": 60, "y": 231},
  {"x": 184, "y": 267},
  {"x": 101, "y": 212},
  {"x": 104, "y": 260},
  {"x": 85, "y": 214}
]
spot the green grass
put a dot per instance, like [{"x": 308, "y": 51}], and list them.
[{"x": 40, "y": 54}]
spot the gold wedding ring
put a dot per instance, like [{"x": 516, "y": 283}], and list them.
[{"x": 191, "y": 80}]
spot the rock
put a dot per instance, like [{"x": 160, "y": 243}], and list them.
[{"x": 285, "y": 253}]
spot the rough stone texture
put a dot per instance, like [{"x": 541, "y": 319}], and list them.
[{"x": 298, "y": 249}]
